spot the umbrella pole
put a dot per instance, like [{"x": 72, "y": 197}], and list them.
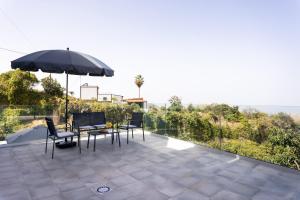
[
  {"x": 66, "y": 144},
  {"x": 66, "y": 111}
]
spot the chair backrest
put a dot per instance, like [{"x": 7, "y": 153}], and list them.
[
  {"x": 137, "y": 119},
  {"x": 80, "y": 119},
  {"x": 51, "y": 126},
  {"x": 97, "y": 118},
  {"x": 88, "y": 119}
]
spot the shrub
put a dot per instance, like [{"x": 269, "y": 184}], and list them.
[
  {"x": 150, "y": 120},
  {"x": 229, "y": 113},
  {"x": 199, "y": 128},
  {"x": 245, "y": 148},
  {"x": 286, "y": 156},
  {"x": 175, "y": 120},
  {"x": 9, "y": 120}
]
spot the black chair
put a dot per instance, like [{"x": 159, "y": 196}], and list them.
[
  {"x": 98, "y": 120},
  {"x": 88, "y": 121},
  {"x": 54, "y": 135},
  {"x": 81, "y": 121},
  {"x": 135, "y": 122}
]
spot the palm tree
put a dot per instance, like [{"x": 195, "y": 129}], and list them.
[{"x": 139, "y": 81}]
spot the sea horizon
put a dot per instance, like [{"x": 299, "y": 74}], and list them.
[{"x": 269, "y": 109}]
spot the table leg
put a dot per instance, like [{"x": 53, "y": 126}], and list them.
[
  {"x": 94, "y": 143},
  {"x": 127, "y": 135},
  {"x": 88, "y": 142}
]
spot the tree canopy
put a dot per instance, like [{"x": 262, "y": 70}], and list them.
[
  {"x": 176, "y": 104},
  {"x": 52, "y": 88},
  {"x": 16, "y": 88}
]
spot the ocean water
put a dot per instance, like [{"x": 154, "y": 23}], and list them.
[{"x": 269, "y": 109}]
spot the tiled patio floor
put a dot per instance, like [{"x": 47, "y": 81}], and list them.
[{"x": 157, "y": 169}]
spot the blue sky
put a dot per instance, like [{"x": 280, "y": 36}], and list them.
[{"x": 217, "y": 51}]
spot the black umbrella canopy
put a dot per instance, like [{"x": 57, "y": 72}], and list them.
[{"x": 60, "y": 61}]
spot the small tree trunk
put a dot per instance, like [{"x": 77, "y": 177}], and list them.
[
  {"x": 139, "y": 92},
  {"x": 220, "y": 132},
  {"x": 297, "y": 164}
]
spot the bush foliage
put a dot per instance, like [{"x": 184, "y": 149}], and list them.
[{"x": 272, "y": 138}]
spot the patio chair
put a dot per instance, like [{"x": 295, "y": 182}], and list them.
[
  {"x": 135, "y": 122},
  {"x": 89, "y": 121},
  {"x": 54, "y": 135},
  {"x": 98, "y": 120},
  {"x": 81, "y": 122}
]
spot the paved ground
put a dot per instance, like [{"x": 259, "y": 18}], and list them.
[
  {"x": 27, "y": 135},
  {"x": 157, "y": 169}
]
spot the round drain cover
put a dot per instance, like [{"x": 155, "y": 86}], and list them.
[{"x": 103, "y": 189}]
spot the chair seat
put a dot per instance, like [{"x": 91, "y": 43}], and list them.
[
  {"x": 127, "y": 126},
  {"x": 100, "y": 126},
  {"x": 66, "y": 134},
  {"x": 86, "y": 127}
]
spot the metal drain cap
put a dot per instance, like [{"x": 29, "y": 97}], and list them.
[{"x": 103, "y": 189}]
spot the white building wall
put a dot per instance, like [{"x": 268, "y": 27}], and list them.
[{"x": 89, "y": 93}]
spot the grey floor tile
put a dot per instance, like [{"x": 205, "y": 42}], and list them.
[
  {"x": 239, "y": 188},
  {"x": 150, "y": 195},
  {"x": 171, "y": 189},
  {"x": 155, "y": 180},
  {"x": 190, "y": 195},
  {"x": 207, "y": 188},
  {"x": 226, "y": 195},
  {"x": 188, "y": 181},
  {"x": 55, "y": 197},
  {"x": 43, "y": 191},
  {"x": 129, "y": 168},
  {"x": 17, "y": 196},
  {"x": 123, "y": 180},
  {"x": 141, "y": 174},
  {"x": 70, "y": 185},
  {"x": 267, "y": 195},
  {"x": 250, "y": 180},
  {"x": 78, "y": 194}
]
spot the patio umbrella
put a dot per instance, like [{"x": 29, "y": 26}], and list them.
[{"x": 63, "y": 61}]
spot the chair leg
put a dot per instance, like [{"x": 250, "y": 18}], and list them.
[
  {"x": 131, "y": 133},
  {"x": 79, "y": 144},
  {"x": 127, "y": 135},
  {"x": 53, "y": 148},
  {"x": 46, "y": 142},
  {"x": 143, "y": 134},
  {"x": 94, "y": 143},
  {"x": 88, "y": 142}
]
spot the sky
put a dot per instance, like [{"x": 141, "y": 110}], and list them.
[{"x": 239, "y": 52}]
